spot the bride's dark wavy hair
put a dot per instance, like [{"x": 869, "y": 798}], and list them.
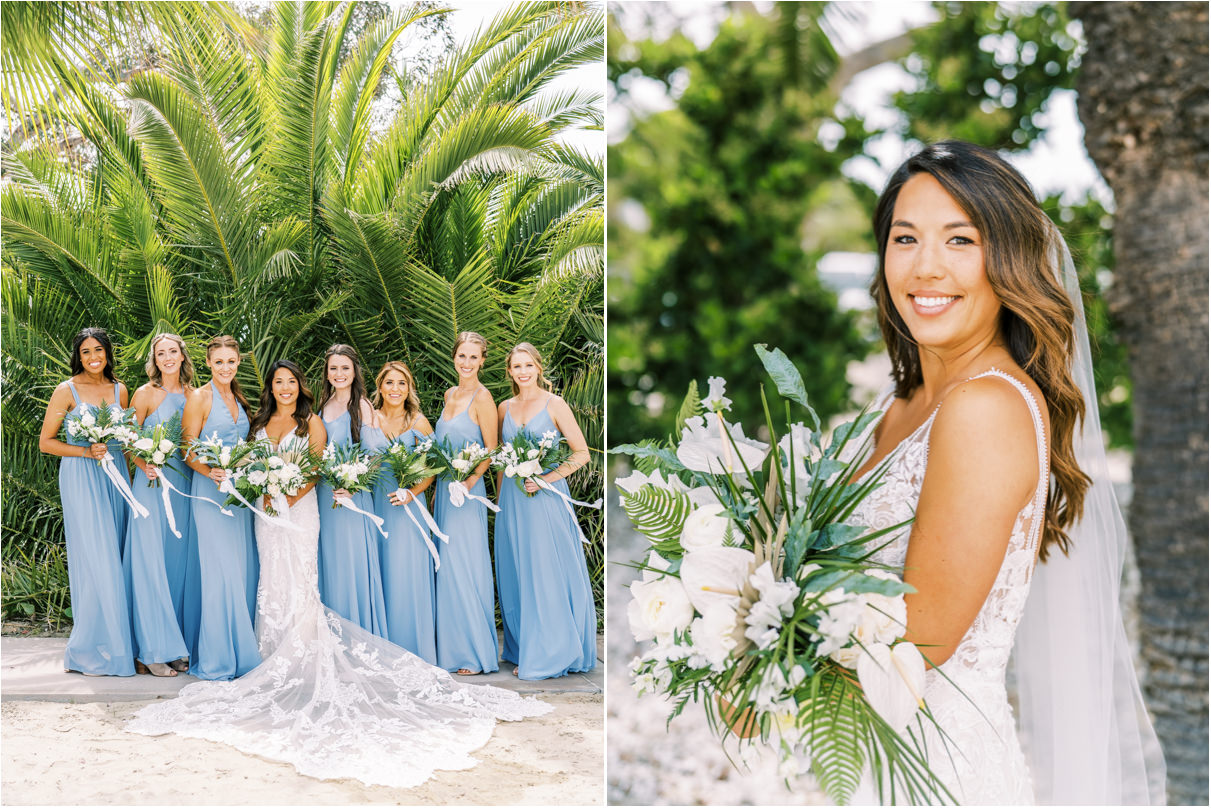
[
  {"x": 1036, "y": 320},
  {"x": 268, "y": 405}
]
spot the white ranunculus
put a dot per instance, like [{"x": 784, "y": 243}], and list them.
[
  {"x": 167, "y": 446},
  {"x": 716, "y": 575},
  {"x": 658, "y": 608},
  {"x": 144, "y": 444},
  {"x": 704, "y": 448},
  {"x": 715, "y": 401},
  {"x": 893, "y": 680},
  {"x": 716, "y": 634},
  {"x": 705, "y": 527},
  {"x": 158, "y": 458}
]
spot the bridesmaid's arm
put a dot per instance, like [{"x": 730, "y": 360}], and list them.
[
  {"x": 317, "y": 436},
  {"x": 197, "y": 407},
  {"x": 983, "y": 467},
  {"x": 60, "y": 404},
  {"x": 142, "y": 402},
  {"x": 565, "y": 421},
  {"x": 485, "y": 410},
  {"x": 421, "y": 425}
]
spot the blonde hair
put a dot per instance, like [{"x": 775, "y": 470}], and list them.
[
  {"x": 411, "y": 401},
  {"x": 153, "y": 370},
  {"x": 527, "y": 348},
  {"x": 228, "y": 341},
  {"x": 472, "y": 337}
]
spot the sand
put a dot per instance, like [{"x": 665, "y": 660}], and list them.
[{"x": 78, "y": 754}]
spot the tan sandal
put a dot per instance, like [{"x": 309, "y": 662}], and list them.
[{"x": 467, "y": 672}]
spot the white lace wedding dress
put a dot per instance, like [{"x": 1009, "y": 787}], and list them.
[
  {"x": 981, "y": 761},
  {"x": 330, "y": 698}
]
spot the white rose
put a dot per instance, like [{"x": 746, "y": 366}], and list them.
[
  {"x": 257, "y": 477},
  {"x": 704, "y": 527},
  {"x": 144, "y": 444},
  {"x": 658, "y": 608},
  {"x": 847, "y": 656},
  {"x": 167, "y": 446},
  {"x": 275, "y": 462},
  {"x": 460, "y": 464},
  {"x": 274, "y": 490},
  {"x": 158, "y": 458},
  {"x": 87, "y": 419},
  {"x": 532, "y": 453},
  {"x": 530, "y": 468}
]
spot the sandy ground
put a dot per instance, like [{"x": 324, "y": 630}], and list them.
[{"x": 77, "y": 754}]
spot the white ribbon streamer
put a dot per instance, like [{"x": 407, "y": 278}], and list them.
[
  {"x": 347, "y": 502},
  {"x": 165, "y": 487},
  {"x": 437, "y": 562},
  {"x": 172, "y": 521},
  {"x": 459, "y": 494},
  {"x": 122, "y": 484},
  {"x": 568, "y": 502},
  {"x": 227, "y": 487},
  {"x": 424, "y": 512}
]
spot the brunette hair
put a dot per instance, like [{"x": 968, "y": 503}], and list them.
[
  {"x": 228, "y": 341},
  {"x": 268, "y": 404},
  {"x": 153, "y": 370},
  {"x": 411, "y": 401},
  {"x": 77, "y": 364},
  {"x": 356, "y": 394},
  {"x": 527, "y": 348},
  {"x": 469, "y": 336},
  {"x": 1036, "y": 320}
]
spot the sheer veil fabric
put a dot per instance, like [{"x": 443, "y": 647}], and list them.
[
  {"x": 1082, "y": 721},
  {"x": 330, "y": 698}
]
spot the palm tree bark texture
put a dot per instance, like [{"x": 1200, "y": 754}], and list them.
[{"x": 1143, "y": 100}]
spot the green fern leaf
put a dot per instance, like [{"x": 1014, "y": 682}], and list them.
[{"x": 658, "y": 513}]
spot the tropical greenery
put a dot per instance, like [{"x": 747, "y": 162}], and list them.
[{"x": 184, "y": 167}]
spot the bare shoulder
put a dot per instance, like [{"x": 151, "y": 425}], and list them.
[
  {"x": 368, "y": 412},
  {"x": 990, "y": 404},
  {"x": 503, "y": 407},
  {"x": 556, "y": 404},
  {"x": 421, "y": 424}
]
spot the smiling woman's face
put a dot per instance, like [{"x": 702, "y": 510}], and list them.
[
  {"x": 223, "y": 363},
  {"x": 340, "y": 371},
  {"x": 934, "y": 265},
  {"x": 468, "y": 359},
  {"x": 92, "y": 355}
]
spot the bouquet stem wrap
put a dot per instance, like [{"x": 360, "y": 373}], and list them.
[
  {"x": 120, "y": 482},
  {"x": 227, "y": 488},
  {"x": 568, "y": 502},
  {"x": 347, "y": 502},
  {"x": 459, "y": 494}
]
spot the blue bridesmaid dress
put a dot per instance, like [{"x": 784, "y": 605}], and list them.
[
  {"x": 94, "y": 518},
  {"x": 351, "y": 582},
  {"x": 545, "y": 596},
  {"x": 227, "y": 565},
  {"x": 407, "y": 567},
  {"x": 466, "y": 604},
  {"x": 154, "y": 559}
]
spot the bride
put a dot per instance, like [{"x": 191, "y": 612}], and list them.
[
  {"x": 995, "y": 453},
  {"x": 329, "y": 698}
]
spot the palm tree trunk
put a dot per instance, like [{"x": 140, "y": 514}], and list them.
[{"x": 1143, "y": 100}]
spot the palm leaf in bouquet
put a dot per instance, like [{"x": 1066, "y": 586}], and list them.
[
  {"x": 156, "y": 444},
  {"x": 763, "y": 599},
  {"x": 409, "y": 465}
]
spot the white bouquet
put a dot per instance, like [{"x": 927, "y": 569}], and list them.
[{"x": 761, "y": 601}]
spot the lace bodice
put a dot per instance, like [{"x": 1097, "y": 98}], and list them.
[{"x": 989, "y": 765}]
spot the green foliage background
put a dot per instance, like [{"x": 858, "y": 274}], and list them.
[
  {"x": 722, "y": 206},
  {"x": 200, "y": 171}
]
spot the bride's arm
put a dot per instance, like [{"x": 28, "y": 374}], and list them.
[
  {"x": 983, "y": 467},
  {"x": 317, "y": 436}
]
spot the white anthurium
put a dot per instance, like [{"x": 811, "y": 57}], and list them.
[
  {"x": 637, "y": 480},
  {"x": 893, "y": 680},
  {"x": 705, "y": 447},
  {"x": 716, "y": 575},
  {"x": 705, "y": 527}
]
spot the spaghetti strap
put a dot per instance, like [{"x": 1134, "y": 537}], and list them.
[
  {"x": 473, "y": 395},
  {"x": 72, "y": 386},
  {"x": 117, "y": 395}
]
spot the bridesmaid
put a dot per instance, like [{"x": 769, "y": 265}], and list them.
[
  {"x": 154, "y": 561},
  {"x": 407, "y": 564},
  {"x": 351, "y": 582},
  {"x": 94, "y": 515},
  {"x": 227, "y": 560},
  {"x": 545, "y": 596},
  {"x": 466, "y": 608}
]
